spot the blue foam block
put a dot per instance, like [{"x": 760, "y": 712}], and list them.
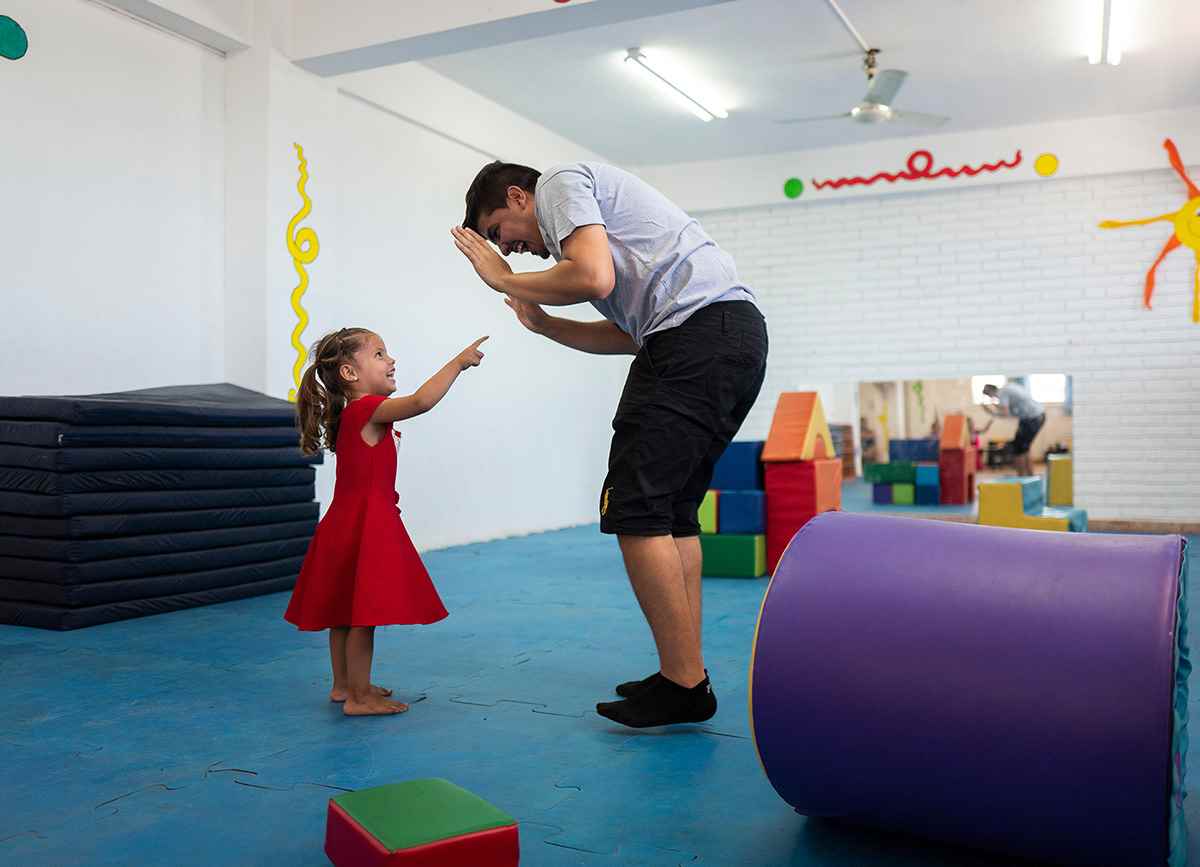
[
  {"x": 913, "y": 450},
  {"x": 882, "y": 495},
  {"x": 742, "y": 512},
  {"x": 927, "y": 474},
  {"x": 927, "y": 495},
  {"x": 738, "y": 469}
]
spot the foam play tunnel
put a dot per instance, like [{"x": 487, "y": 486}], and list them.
[{"x": 1005, "y": 689}]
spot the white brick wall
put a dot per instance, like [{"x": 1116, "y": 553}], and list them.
[{"x": 1008, "y": 278}]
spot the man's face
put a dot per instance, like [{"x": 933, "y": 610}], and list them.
[{"x": 514, "y": 228}]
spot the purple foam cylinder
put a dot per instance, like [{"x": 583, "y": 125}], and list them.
[{"x": 1005, "y": 689}]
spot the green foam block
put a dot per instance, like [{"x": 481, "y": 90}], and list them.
[
  {"x": 708, "y": 512},
  {"x": 734, "y": 555},
  {"x": 903, "y": 494},
  {"x": 896, "y": 471},
  {"x": 417, "y": 812}
]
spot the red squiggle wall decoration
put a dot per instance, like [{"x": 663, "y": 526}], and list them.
[{"x": 918, "y": 167}]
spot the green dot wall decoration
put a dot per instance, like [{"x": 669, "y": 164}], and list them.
[
  {"x": 13, "y": 41},
  {"x": 793, "y": 187}
]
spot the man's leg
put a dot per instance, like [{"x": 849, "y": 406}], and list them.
[
  {"x": 690, "y": 559},
  {"x": 681, "y": 693},
  {"x": 657, "y": 574}
]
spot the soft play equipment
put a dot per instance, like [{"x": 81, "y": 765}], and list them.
[
  {"x": 904, "y": 483},
  {"x": 913, "y": 450},
  {"x": 425, "y": 823},
  {"x": 1020, "y": 502},
  {"x": 732, "y": 515},
  {"x": 799, "y": 431},
  {"x": 739, "y": 467},
  {"x": 1060, "y": 480},
  {"x": 1004, "y": 689},
  {"x": 734, "y": 555},
  {"x": 957, "y": 462},
  {"x": 133, "y": 503}
]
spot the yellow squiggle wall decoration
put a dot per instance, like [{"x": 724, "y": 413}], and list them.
[{"x": 303, "y": 246}]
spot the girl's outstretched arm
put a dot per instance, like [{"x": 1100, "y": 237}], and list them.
[{"x": 427, "y": 396}]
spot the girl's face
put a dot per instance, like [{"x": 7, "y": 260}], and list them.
[{"x": 373, "y": 371}]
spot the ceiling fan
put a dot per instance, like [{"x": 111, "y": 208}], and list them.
[{"x": 882, "y": 87}]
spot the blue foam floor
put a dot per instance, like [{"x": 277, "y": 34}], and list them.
[{"x": 205, "y": 736}]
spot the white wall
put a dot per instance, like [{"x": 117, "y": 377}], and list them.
[
  {"x": 519, "y": 444},
  {"x": 1006, "y": 278},
  {"x": 111, "y": 205}
]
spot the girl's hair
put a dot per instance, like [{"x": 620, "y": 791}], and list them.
[{"x": 323, "y": 394}]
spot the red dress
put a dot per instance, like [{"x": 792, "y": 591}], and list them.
[{"x": 361, "y": 568}]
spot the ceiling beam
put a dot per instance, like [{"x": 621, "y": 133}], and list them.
[
  {"x": 223, "y": 25},
  {"x": 386, "y": 34}
]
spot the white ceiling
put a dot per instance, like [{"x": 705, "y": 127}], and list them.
[{"x": 985, "y": 63}]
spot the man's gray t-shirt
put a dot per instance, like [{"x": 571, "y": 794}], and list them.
[
  {"x": 1019, "y": 402},
  {"x": 666, "y": 266}
]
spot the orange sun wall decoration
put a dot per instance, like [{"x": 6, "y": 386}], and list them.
[{"x": 1187, "y": 231}]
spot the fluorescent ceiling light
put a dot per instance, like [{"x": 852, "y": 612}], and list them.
[
  {"x": 1107, "y": 48},
  {"x": 701, "y": 105}
]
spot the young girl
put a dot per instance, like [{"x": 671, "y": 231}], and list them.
[{"x": 361, "y": 570}]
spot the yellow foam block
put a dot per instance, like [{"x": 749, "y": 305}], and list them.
[
  {"x": 1060, "y": 480},
  {"x": 799, "y": 431},
  {"x": 1000, "y": 505}
]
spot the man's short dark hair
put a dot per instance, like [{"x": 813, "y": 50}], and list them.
[{"x": 489, "y": 190}]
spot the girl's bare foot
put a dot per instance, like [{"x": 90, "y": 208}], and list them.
[
  {"x": 339, "y": 693},
  {"x": 373, "y": 706}
]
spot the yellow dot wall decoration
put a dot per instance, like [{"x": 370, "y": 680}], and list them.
[{"x": 1046, "y": 165}]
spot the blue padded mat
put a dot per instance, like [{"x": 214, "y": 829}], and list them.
[
  {"x": 106, "y": 592},
  {"x": 117, "y": 502},
  {"x": 210, "y": 405},
  {"x": 73, "y": 460},
  {"x": 88, "y": 550},
  {"x": 56, "y": 617},
  {"x": 140, "y": 524},
  {"x": 46, "y": 482},
  {"x": 121, "y": 568},
  {"x": 56, "y": 434}
]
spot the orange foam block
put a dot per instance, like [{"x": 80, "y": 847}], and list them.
[
  {"x": 955, "y": 434},
  {"x": 799, "y": 431}
]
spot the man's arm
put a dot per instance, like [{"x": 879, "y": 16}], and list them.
[
  {"x": 598, "y": 338},
  {"x": 584, "y": 274}
]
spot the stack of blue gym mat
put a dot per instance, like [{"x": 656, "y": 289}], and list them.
[{"x": 133, "y": 503}]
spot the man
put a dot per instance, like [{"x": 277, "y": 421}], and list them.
[
  {"x": 1015, "y": 401},
  {"x": 671, "y": 298}
]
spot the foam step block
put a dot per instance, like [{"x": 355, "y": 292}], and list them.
[
  {"x": 743, "y": 512},
  {"x": 1017, "y": 503},
  {"x": 738, "y": 468},
  {"x": 1033, "y": 493},
  {"x": 709, "y": 512},
  {"x": 1076, "y": 518},
  {"x": 432, "y": 823},
  {"x": 896, "y": 471},
  {"x": 927, "y": 495},
  {"x": 1060, "y": 486},
  {"x": 913, "y": 450},
  {"x": 734, "y": 555},
  {"x": 903, "y": 494},
  {"x": 927, "y": 475},
  {"x": 881, "y": 494}
]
